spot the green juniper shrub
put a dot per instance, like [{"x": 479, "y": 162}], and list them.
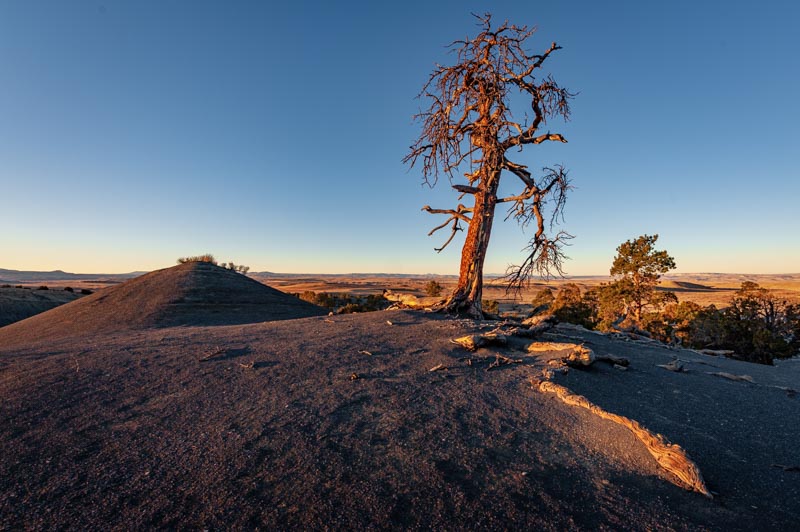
[
  {"x": 376, "y": 302},
  {"x": 757, "y": 326},
  {"x": 673, "y": 325},
  {"x": 542, "y": 300},
  {"x": 638, "y": 267},
  {"x": 351, "y": 308},
  {"x": 570, "y": 307},
  {"x": 433, "y": 288}
]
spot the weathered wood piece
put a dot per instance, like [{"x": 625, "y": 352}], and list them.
[
  {"x": 613, "y": 360},
  {"x": 675, "y": 366},
  {"x": 669, "y": 456},
  {"x": 731, "y": 376},
  {"x": 578, "y": 355},
  {"x": 533, "y": 321},
  {"x": 404, "y": 300},
  {"x": 474, "y": 341},
  {"x": 541, "y": 347},
  {"x": 716, "y": 352},
  {"x": 501, "y": 360}
]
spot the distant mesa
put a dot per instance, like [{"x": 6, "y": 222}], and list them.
[
  {"x": 19, "y": 276},
  {"x": 684, "y": 285},
  {"x": 193, "y": 294}
]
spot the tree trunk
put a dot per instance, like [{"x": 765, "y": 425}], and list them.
[
  {"x": 639, "y": 299},
  {"x": 466, "y": 298}
]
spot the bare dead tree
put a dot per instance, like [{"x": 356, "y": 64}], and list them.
[{"x": 469, "y": 124}]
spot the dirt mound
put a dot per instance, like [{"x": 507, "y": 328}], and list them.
[
  {"x": 379, "y": 421},
  {"x": 196, "y": 293}
]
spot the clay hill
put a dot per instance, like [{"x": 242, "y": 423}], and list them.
[
  {"x": 194, "y": 293},
  {"x": 158, "y": 407}
]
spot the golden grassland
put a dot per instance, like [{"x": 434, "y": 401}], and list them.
[{"x": 703, "y": 289}]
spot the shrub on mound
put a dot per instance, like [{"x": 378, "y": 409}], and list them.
[{"x": 208, "y": 257}]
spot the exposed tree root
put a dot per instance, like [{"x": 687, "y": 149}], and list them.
[
  {"x": 534, "y": 321},
  {"x": 794, "y": 468},
  {"x": 459, "y": 305},
  {"x": 731, "y": 376},
  {"x": 614, "y": 360},
  {"x": 670, "y": 457},
  {"x": 501, "y": 360},
  {"x": 578, "y": 356},
  {"x": 675, "y": 365},
  {"x": 475, "y": 341},
  {"x": 716, "y": 352}
]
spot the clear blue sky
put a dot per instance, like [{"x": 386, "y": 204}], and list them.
[{"x": 272, "y": 133}]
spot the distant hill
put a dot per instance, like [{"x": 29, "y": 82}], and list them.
[
  {"x": 18, "y": 276},
  {"x": 19, "y": 303},
  {"x": 195, "y": 293}
]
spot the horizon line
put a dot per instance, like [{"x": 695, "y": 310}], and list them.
[{"x": 397, "y": 274}]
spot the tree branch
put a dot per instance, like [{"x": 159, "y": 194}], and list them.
[
  {"x": 456, "y": 228},
  {"x": 459, "y": 213},
  {"x": 520, "y": 171},
  {"x": 464, "y": 189},
  {"x": 456, "y": 215}
]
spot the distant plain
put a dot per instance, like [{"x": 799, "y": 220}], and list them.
[{"x": 702, "y": 288}]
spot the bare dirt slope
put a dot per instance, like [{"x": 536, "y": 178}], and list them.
[
  {"x": 337, "y": 422},
  {"x": 19, "y": 303},
  {"x": 195, "y": 293}
]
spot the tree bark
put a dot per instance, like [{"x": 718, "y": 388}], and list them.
[{"x": 466, "y": 298}]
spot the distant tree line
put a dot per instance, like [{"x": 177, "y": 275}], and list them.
[
  {"x": 345, "y": 303},
  {"x": 757, "y": 326}
]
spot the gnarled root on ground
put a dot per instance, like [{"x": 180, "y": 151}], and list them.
[
  {"x": 578, "y": 355},
  {"x": 670, "y": 457},
  {"x": 474, "y": 341},
  {"x": 731, "y": 376}
]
